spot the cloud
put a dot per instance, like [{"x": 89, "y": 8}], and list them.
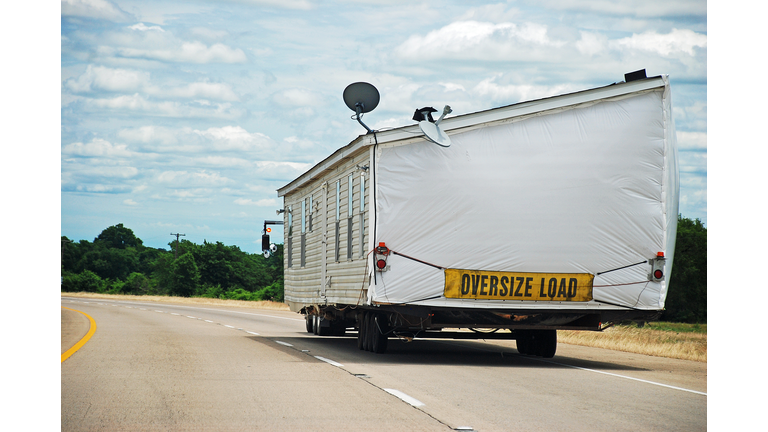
[
  {"x": 142, "y": 27},
  {"x": 140, "y": 104},
  {"x": 267, "y": 202},
  {"x": 187, "y": 52},
  {"x": 638, "y": 8},
  {"x": 99, "y": 9},
  {"x": 674, "y": 43},
  {"x": 130, "y": 202},
  {"x": 104, "y": 78},
  {"x": 479, "y": 40},
  {"x": 235, "y": 138},
  {"x": 185, "y": 179},
  {"x": 97, "y": 148}
]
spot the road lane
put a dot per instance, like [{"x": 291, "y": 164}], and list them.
[
  {"x": 485, "y": 385},
  {"x": 145, "y": 370}
]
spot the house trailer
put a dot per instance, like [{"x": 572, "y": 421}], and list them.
[{"x": 557, "y": 213}]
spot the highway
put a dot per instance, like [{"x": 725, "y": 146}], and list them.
[{"x": 171, "y": 367}]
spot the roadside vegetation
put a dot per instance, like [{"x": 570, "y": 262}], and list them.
[
  {"x": 117, "y": 262},
  {"x": 662, "y": 339}
]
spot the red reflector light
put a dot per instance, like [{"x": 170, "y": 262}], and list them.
[
  {"x": 658, "y": 274},
  {"x": 381, "y": 264}
]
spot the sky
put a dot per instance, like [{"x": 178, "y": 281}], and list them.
[{"x": 186, "y": 117}]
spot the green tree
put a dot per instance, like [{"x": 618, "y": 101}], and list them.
[
  {"x": 186, "y": 276},
  {"x": 118, "y": 236},
  {"x": 687, "y": 295}
]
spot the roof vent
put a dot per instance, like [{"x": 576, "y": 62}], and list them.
[{"x": 634, "y": 76}]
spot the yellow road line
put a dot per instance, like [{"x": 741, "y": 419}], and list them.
[{"x": 82, "y": 341}]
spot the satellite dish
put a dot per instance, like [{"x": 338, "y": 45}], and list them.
[
  {"x": 431, "y": 130},
  {"x": 361, "y": 97},
  {"x": 433, "y": 133}
]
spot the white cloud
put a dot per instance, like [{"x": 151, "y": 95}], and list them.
[
  {"x": 297, "y": 97},
  {"x": 638, "y": 8},
  {"x": 235, "y": 138},
  {"x": 97, "y": 148},
  {"x": 130, "y": 202},
  {"x": 692, "y": 140},
  {"x": 104, "y": 78},
  {"x": 192, "y": 179},
  {"x": 675, "y": 43},
  {"x": 99, "y": 9},
  {"x": 267, "y": 202},
  {"x": 511, "y": 93},
  {"x": 188, "y": 52},
  {"x": 142, "y": 27},
  {"x": 478, "y": 40},
  {"x": 207, "y": 90}
]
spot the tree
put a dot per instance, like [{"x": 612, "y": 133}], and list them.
[
  {"x": 687, "y": 295},
  {"x": 118, "y": 236},
  {"x": 186, "y": 276}
]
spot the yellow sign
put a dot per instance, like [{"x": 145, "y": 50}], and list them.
[{"x": 489, "y": 285}]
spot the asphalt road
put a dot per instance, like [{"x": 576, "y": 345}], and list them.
[{"x": 169, "y": 367}]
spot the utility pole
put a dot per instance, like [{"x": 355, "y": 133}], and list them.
[{"x": 176, "y": 249}]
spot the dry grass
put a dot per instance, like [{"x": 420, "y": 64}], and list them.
[
  {"x": 661, "y": 343},
  {"x": 185, "y": 300}
]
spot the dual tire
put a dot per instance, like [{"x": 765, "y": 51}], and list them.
[{"x": 372, "y": 334}]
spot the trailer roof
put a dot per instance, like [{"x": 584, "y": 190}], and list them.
[{"x": 472, "y": 120}]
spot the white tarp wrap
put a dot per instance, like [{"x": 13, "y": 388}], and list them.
[{"x": 581, "y": 190}]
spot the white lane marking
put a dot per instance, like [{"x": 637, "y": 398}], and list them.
[
  {"x": 228, "y": 326},
  {"x": 208, "y": 321},
  {"x": 329, "y": 361},
  {"x": 404, "y": 397},
  {"x": 284, "y": 343},
  {"x": 253, "y": 333},
  {"x": 624, "y": 376},
  {"x": 159, "y": 311},
  {"x": 191, "y": 317},
  {"x": 173, "y": 313}
]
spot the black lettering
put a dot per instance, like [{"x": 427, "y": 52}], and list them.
[
  {"x": 475, "y": 284},
  {"x": 552, "y": 289},
  {"x": 541, "y": 290},
  {"x": 562, "y": 291},
  {"x": 483, "y": 284},
  {"x": 573, "y": 283},
  {"x": 519, "y": 286},
  {"x": 528, "y": 286},
  {"x": 465, "y": 284},
  {"x": 494, "y": 289},
  {"x": 503, "y": 290}
]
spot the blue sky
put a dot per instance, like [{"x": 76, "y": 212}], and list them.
[{"x": 187, "y": 116}]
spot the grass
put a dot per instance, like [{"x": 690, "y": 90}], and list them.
[{"x": 661, "y": 339}]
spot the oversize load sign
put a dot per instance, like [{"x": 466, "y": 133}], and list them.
[{"x": 488, "y": 285}]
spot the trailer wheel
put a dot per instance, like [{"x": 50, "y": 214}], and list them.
[
  {"x": 523, "y": 342},
  {"x": 361, "y": 330},
  {"x": 380, "y": 330},
  {"x": 310, "y": 323},
  {"x": 370, "y": 333},
  {"x": 315, "y": 323},
  {"x": 322, "y": 331},
  {"x": 546, "y": 345}
]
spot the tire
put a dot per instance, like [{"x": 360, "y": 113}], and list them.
[
  {"x": 380, "y": 331},
  {"x": 369, "y": 331},
  {"x": 322, "y": 330},
  {"x": 361, "y": 331},
  {"x": 309, "y": 320},
  {"x": 315, "y": 323},
  {"x": 523, "y": 342},
  {"x": 547, "y": 343}
]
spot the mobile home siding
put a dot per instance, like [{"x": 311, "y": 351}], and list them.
[{"x": 345, "y": 267}]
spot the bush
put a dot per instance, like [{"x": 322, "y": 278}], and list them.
[{"x": 86, "y": 281}]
